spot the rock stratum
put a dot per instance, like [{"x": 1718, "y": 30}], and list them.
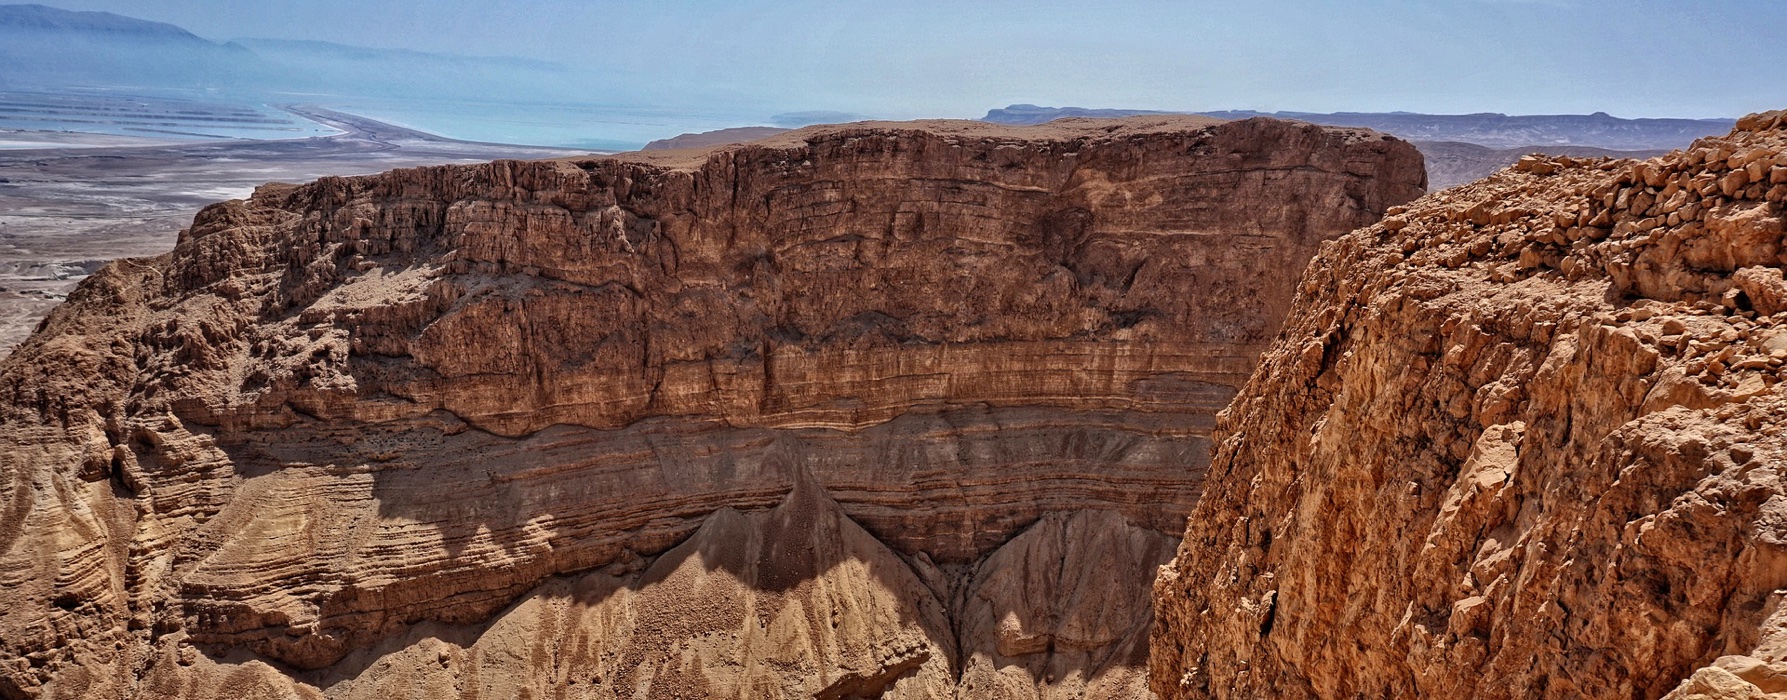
[
  {"x": 1523, "y": 438},
  {"x": 898, "y": 410}
]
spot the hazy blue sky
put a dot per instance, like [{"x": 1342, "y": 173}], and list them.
[{"x": 912, "y": 58}]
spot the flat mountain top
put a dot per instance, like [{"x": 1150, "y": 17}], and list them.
[
  {"x": 717, "y": 137},
  {"x": 688, "y": 157},
  {"x": 1598, "y": 130}
]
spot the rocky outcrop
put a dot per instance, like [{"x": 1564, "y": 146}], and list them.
[
  {"x": 1521, "y": 439},
  {"x": 446, "y": 424}
]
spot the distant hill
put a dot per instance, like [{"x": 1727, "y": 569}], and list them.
[
  {"x": 48, "y": 47},
  {"x": 1452, "y": 163},
  {"x": 1025, "y": 114},
  {"x": 709, "y": 139},
  {"x": 1598, "y": 130},
  {"x": 42, "y": 19},
  {"x": 795, "y": 120}
]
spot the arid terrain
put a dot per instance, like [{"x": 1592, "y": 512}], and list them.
[
  {"x": 875, "y": 410},
  {"x": 781, "y": 368},
  {"x": 1523, "y": 438},
  {"x": 66, "y": 211}
]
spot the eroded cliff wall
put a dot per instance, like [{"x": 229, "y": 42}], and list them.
[
  {"x": 434, "y": 433},
  {"x": 1521, "y": 439}
]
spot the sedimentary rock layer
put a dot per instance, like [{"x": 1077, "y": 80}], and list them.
[
  {"x": 342, "y": 412},
  {"x": 1521, "y": 439}
]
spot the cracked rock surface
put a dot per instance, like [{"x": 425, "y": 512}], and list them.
[
  {"x": 796, "y": 418},
  {"x": 1523, "y": 438}
]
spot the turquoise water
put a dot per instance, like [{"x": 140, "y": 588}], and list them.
[
  {"x": 191, "y": 116},
  {"x": 595, "y": 127}
]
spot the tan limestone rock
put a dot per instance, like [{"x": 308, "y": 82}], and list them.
[
  {"x": 1485, "y": 460},
  {"x": 342, "y": 412}
]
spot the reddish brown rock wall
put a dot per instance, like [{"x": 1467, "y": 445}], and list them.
[
  {"x": 1522, "y": 439},
  {"x": 340, "y": 410}
]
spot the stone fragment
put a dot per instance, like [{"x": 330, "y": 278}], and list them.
[
  {"x": 1712, "y": 683},
  {"x": 1734, "y": 182},
  {"x": 1764, "y": 286},
  {"x": 1535, "y": 164}
]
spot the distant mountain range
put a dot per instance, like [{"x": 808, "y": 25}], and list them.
[
  {"x": 1497, "y": 131},
  {"x": 1027, "y": 114},
  {"x": 45, "y": 48},
  {"x": 1454, "y": 163},
  {"x": 49, "y": 21}
]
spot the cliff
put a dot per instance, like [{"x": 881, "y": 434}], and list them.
[
  {"x": 1521, "y": 439},
  {"x": 897, "y": 408}
]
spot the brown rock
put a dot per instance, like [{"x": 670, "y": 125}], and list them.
[
  {"x": 1762, "y": 121},
  {"x": 1764, "y": 287},
  {"x": 1056, "y": 603},
  {"x": 1537, "y": 165},
  {"x": 797, "y": 601},
  {"x": 1734, "y": 182},
  {"x": 1496, "y": 484},
  {"x": 340, "y": 417}
]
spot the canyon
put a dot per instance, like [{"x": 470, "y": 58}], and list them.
[
  {"x": 1522, "y": 438},
  {"x": 872, "y": 410}
]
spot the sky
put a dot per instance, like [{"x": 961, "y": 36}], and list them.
[{"x": 957, "y": 58}]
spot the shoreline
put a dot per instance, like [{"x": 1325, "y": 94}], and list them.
[{"x": 67, "y": 208}]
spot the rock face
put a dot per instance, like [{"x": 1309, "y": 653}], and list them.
[
  {"x": 1521, "y": 439},
  {"x": 440, "y": 432}
]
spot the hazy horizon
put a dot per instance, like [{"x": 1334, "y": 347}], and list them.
[{"x": 931, "y": 58}]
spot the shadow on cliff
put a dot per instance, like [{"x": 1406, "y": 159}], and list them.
[
  {"x": 488, "y": 531},
  {"x": 805, "y": 586}
]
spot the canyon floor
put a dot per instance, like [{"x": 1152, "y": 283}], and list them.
[{"x": 67, "y": 210}]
